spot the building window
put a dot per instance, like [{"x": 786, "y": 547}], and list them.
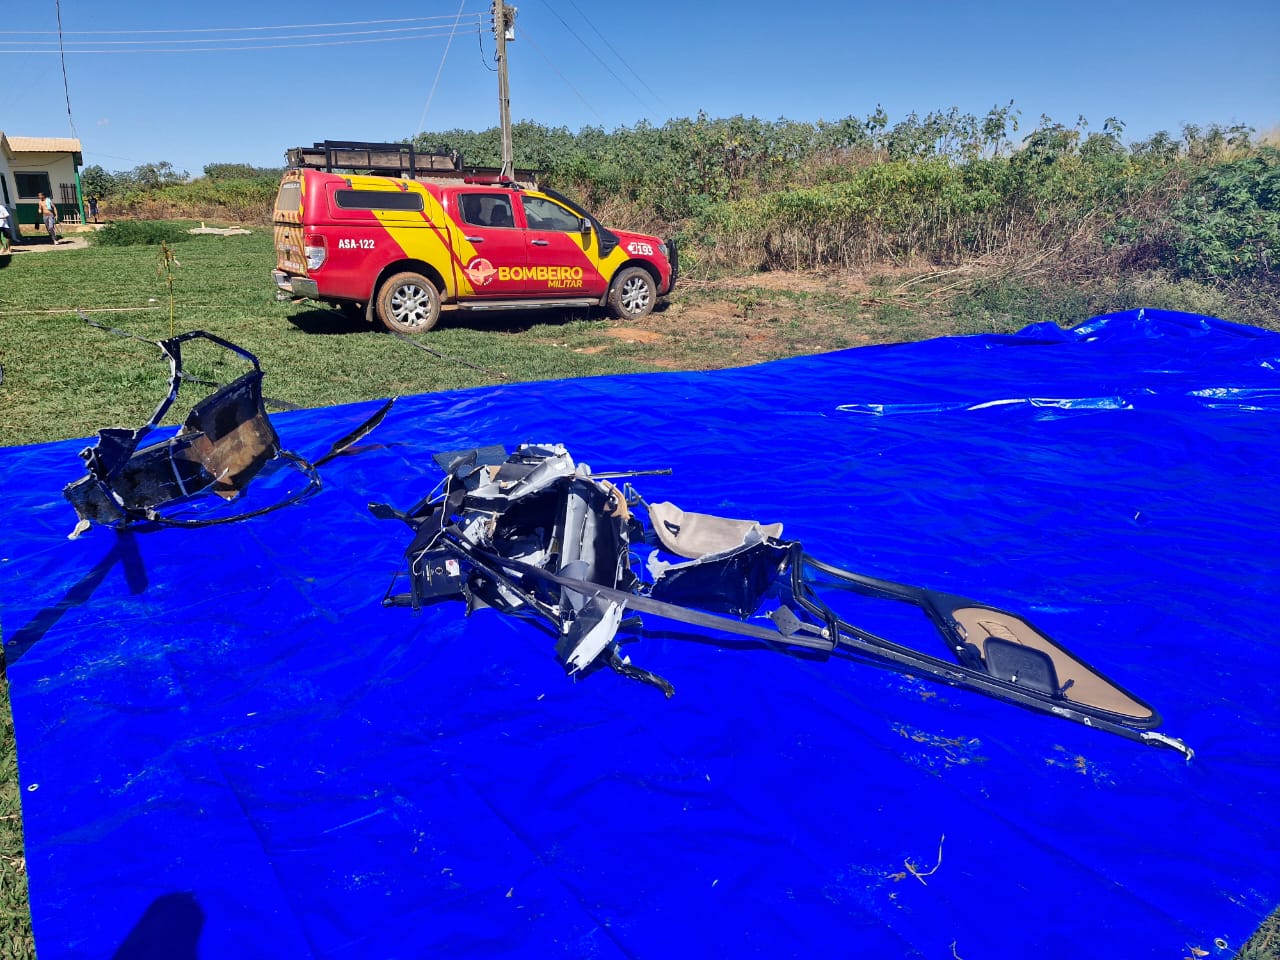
[{"x": 29, "y": 184}]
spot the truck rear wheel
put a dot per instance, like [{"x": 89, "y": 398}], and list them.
[
  {"x": 408, "y": 303},
  {"x": 632, "y": 294}
]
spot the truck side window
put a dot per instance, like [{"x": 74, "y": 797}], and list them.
[
  {"x": 289, "y": 199},
  {"x": 486, "y": 209},
  {"x": 543, "y": 214},
  {"x": 378, "y": 200}
]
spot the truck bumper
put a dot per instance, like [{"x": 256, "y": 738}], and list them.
[
  {"x": 673, "y": 257},
  {"x": 298, "y": 286}
]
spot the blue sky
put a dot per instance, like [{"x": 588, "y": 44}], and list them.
[{"x": 1155, "y": 66}]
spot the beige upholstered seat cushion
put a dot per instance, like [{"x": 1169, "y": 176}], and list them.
[{"x": 695, "y": 535}]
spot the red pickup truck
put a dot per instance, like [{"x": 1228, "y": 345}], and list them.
[{"x": 399, "y": 248}]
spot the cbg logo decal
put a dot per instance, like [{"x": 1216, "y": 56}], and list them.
[{"x": 480, "y": 271}]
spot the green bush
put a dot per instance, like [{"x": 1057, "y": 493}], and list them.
[
  {"x": 1229, "y": 219},
  {"x": 131, "y": 233}
]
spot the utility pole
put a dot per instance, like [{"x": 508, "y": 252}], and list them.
[{"x": 504, "y": 18}]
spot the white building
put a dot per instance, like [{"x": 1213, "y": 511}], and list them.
[{"x": 35, "y": 165}]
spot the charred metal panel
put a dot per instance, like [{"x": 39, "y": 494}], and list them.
[{"x": 225, "y": 441}]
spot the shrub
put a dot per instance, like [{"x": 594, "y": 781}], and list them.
[
  {"x": 1229, "y": 219},
  {"x": 129, "y": 233}
]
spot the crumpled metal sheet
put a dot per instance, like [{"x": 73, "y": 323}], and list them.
[{"x": 226, "y": 745}]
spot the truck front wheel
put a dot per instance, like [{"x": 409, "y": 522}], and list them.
[
  {"x": 632, "y": 294},
  {"x": 408, "y": 303}
]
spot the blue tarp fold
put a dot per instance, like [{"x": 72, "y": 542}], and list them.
[{"x": 229, "y": 748}]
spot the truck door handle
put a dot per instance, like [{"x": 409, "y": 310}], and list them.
[
  {"x": 541, "y": 243},
  {"x": 474, "y": 239}
]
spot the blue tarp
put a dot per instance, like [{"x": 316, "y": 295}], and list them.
[{"x": 229, "y": 749}]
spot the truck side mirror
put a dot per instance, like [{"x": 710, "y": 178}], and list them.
[{"x": 584, "y": 224}]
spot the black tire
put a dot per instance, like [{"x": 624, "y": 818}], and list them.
[
  {"x": 408, "y": 303},
  {"x": 632, "y": 294}
]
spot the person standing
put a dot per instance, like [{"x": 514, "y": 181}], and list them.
[
  {"x": 50, "y": 214},
  {"x": 93, "y": 208},
  {"x": 4, "y": 228},
  {"x": 9, "y": 223}
]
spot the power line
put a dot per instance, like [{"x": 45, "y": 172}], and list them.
[
  {"x": 407, "y": 31},
  {"x": 440, "y": 69},
  {"x": 66, "y": 88},
  {"x": 484, "y": 57},
  {"x": 254, "y": 46},
  {"x": 590, "y": 50},
  {"x": 621, "y": 59},
  {"x": 286, "y": 26},
  {"x": 549, "y": 63}
]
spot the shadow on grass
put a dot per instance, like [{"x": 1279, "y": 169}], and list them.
[
  {"x": 515, "y": 321},
  {"x": 324, "y": 322},
  {"x": 521, "y": 321}
]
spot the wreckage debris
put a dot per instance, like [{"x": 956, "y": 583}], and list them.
[
  {"x": 534, "y": 534},
  {"x": 225, "y": 441}
]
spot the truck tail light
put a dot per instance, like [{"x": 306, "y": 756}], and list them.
[{"x": 317, "y": 249}]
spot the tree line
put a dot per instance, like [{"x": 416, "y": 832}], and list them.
[{"x": 943, "y": 188}]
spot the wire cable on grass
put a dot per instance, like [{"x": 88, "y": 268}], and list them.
[
  {"x": 59, "y": 311},
  {"x": 184, "y": 377},
  {"x": 115, "y": 331},
  {"x": 398, "y": 336}
]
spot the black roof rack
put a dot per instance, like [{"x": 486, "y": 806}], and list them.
[
  {"x": 392, "y": 160},
  {"x": 387, "y": 159}
]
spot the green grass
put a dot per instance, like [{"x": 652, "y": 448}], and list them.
[
  {"x": 15, "y": 916},
  {"x": 64, "y": 378}
]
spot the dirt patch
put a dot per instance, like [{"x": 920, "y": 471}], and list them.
[
  {"x": 221, "y": 231},
  {"x": 42, "y": 245},
  {"x": 845, "y": 283},
  {"x": 633, "y": 335},
  {"x": 737, "y": 321}
]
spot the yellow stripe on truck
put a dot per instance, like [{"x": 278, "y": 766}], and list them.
[{"x": 428, "y": 239}]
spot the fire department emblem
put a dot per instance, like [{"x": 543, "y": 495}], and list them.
[{"x": 481, "y": 271}]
